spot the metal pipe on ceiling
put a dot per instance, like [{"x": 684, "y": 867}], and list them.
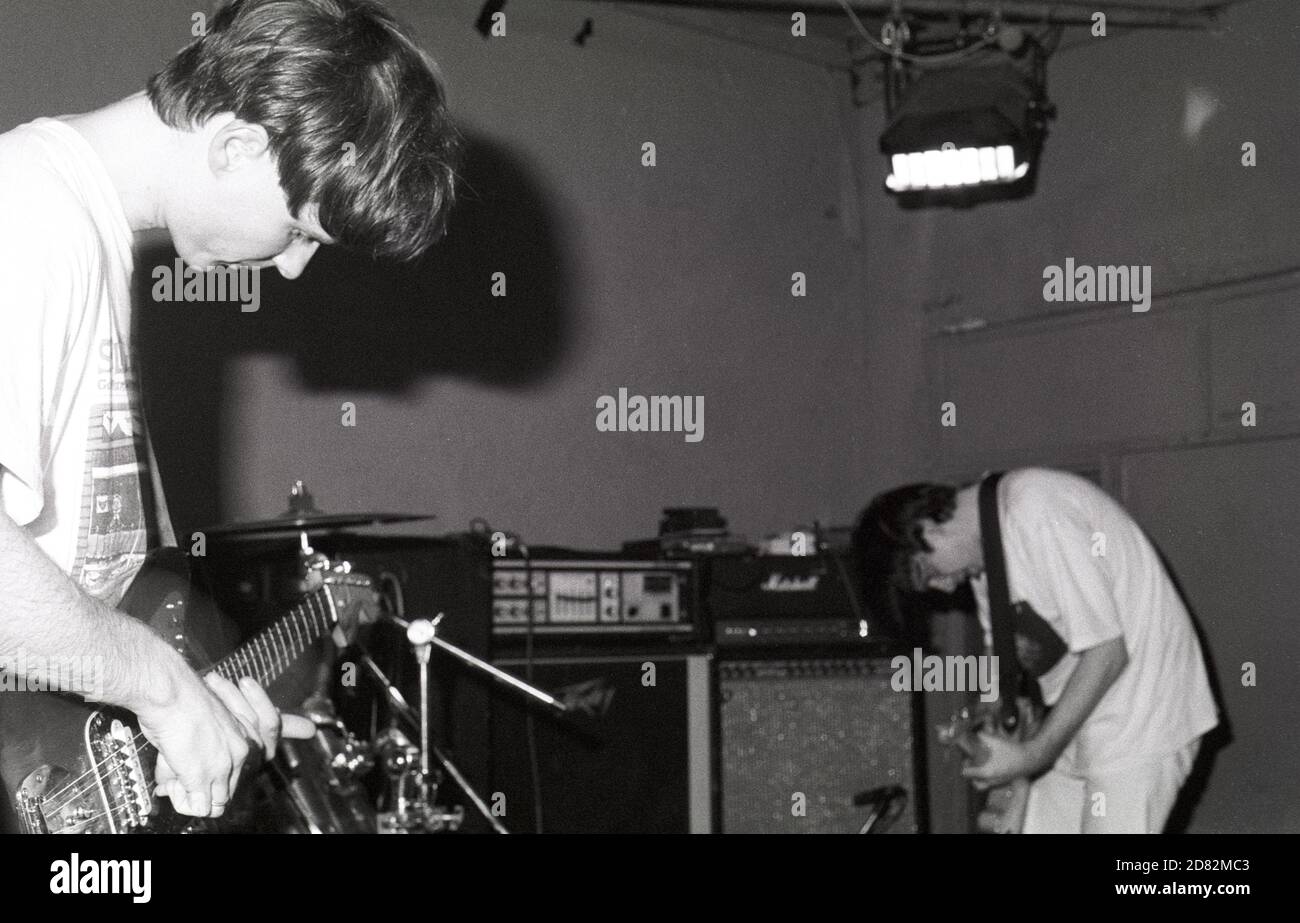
[{"x": 1066, "y": 12}]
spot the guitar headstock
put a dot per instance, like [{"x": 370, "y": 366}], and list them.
[
  {"x": 962, "y": 730},
  {"x": 962, "y": 725},
  {"x": 356, "y": 601}
]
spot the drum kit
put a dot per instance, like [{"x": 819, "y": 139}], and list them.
[{"x": 324, "y": 785}]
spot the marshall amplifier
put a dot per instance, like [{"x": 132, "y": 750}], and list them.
[{"x": 788, "y": 600}]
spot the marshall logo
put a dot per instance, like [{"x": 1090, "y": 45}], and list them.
[{"x": 776, "y": 583}]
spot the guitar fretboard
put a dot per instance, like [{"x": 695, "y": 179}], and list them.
[{"x": 273, "y": 649}]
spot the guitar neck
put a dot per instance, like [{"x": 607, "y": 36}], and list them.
[{"x": 273, "y": 650}]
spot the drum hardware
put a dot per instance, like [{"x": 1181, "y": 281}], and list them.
[
  {"x": 321, "y": 776},
  {"x": 409, "y": 805},
  {"x": 350, "y": 758},
  {"x": 409, "y": 767},
  {"x": 414, "y": 784},
  {"x": 408, "y": 715},
  {"x": 411, "y": 802},
  {"x": 337, "y": 756},
  {"x": 323, "y": 793}
]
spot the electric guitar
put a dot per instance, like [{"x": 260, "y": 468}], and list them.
[
  {"x": 1004, "y": 805},
  {"x": 72, "y": 767}
]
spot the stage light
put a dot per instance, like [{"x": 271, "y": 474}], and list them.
[{"x": 969, "y": 133}]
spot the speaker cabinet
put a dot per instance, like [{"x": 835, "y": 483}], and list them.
[
  {"x": 633, "y": 756},
  {"x": 801, "y": 738}
]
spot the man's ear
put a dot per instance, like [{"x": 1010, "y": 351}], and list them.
[{"x": 235, "y": 145}]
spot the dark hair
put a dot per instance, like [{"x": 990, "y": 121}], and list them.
[
  {"x": 320, "y": 75},
  {"x": 888, "y": 532}
]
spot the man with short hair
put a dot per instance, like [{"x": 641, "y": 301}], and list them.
[
  {"x": 1129, "y": 695},
  {"x": 288, "y": 125}
]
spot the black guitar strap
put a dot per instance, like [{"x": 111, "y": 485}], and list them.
[{"x": 995, "y": 567}]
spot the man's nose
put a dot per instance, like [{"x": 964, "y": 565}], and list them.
[{"x": 295, "y": 258}]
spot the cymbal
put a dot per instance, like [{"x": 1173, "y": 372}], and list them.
[{"x": 294, "y": 523}]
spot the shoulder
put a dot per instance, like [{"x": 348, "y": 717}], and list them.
[
  {"x": 41, "y": 215},
  {"x": 1043, "y": 496}
]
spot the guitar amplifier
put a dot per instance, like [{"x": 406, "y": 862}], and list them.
[
  {"x": 802, "y": 740},
  {"x": 632, "y": 756},
  {"x": 591, "y": 597},
  {"x": 787, "y": 600}
]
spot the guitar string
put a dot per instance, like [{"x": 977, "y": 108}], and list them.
[{"x": 140, "y": 738}]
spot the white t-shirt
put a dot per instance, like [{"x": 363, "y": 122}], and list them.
[
  {"x": 1085, "y": 566},
  {"x": 76, "y": 468}
]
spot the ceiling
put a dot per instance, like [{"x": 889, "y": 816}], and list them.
[
  {"x": 829, "y": 28},
  {"x": 832, "y": 41}
]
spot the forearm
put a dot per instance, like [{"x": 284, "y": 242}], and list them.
[
  {"x": 44, "y": 614},
  {"x": 1093, "y": 675}
]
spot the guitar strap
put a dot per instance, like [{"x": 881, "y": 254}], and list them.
[{"x": 1010, "y": 675}]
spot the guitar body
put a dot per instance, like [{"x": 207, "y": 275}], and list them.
[
  {"x": 1004, "y": 806},
  {"x": 51, "y": 739},
  {"x": 71, "y": 767}
]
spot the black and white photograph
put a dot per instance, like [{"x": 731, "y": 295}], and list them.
[{"x": 452, "y": 417}]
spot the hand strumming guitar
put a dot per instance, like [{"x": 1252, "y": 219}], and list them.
[
  {"x": 207, "y": 733},
  {"x": 1004, "y": 760}
]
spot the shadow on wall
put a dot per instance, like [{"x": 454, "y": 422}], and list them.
[{"x": 352, "y": 323}]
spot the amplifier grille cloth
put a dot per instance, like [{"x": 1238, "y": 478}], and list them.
[{"x": 828, "y": 729}]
